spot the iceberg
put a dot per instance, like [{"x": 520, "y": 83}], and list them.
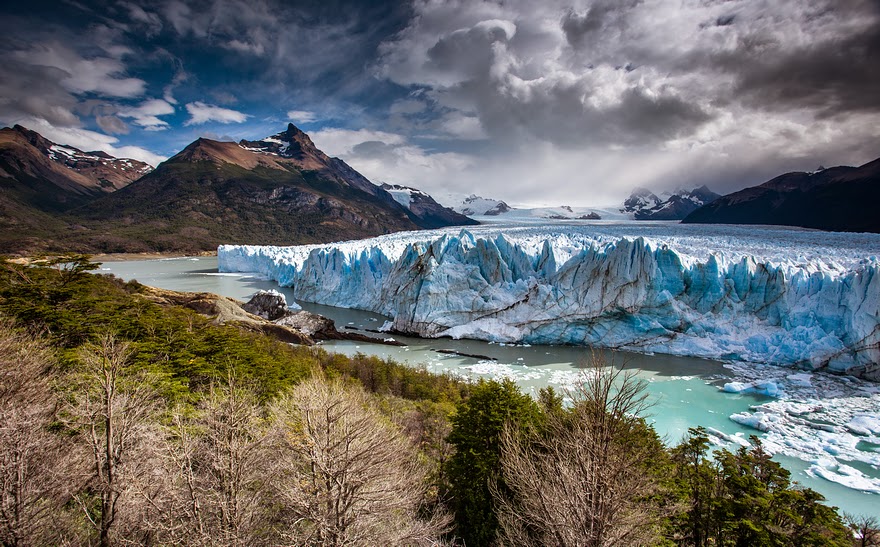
[{"x": 768, "y": 295}]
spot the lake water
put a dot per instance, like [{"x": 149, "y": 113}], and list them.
[{"x": 687, "y": 391}]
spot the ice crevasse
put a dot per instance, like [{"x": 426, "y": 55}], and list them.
[{"x": 631, "y": 293}]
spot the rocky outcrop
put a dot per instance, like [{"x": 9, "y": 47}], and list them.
[
  {"x": 271, "y": 305},
  {"x": 291, "y": 326}
]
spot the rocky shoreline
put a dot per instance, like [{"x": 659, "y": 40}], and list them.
[{"x": 267, "y": 312}]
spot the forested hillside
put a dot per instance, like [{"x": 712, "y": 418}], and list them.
[{"x": 129, "y": 422}]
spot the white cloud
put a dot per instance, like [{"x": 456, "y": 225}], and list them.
[
  {"x": 389, "y": 157},
  {"x": 147, "y": 114},
  {"x": 87, "y": 140},
  {"x": 339, "y": 142},
  {"x": 246, "y": 47},
  {"x": 407, "y": 106},
  {"x": 202, "y": 113},
  {"x": 100, "y": 75},
  {"x": 463, "y": 127},
  {"x": 301, "y": 116}
]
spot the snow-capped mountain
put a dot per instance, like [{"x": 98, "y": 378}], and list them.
[
  {"x": 643, "y": 204},
  {"x": 278, "y": 190},
  {"x": 74, "y": 176},
  {"x": 500, "y": 211},
  {"x": 641, "y": 199},
  {"x": 293, "y": 146},
  {"x": 474, "y": 205},
  {"x": 426, "y": 208}
]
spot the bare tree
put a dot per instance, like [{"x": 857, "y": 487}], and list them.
[
  {"x": 112, "y": 409},
  {"x": 866, "y": 529},
  {"x": 216, "y": 474},
  {"x": 348, "y": 477},
  {"x": 585, "y": 479},
  {"x": 32, "y": 459}
]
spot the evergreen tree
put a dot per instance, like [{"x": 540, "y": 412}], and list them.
[{"x": 477, "y": 427}]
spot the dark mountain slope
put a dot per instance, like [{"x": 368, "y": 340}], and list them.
[
  {"x": 430, "y": 214},
  {"x": 841, "y": 199},
  {"x": 40, "y": 179},
  {"x": 220, "y": 192}
]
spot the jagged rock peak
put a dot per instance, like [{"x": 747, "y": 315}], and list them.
[
  {"x": 290, "y": 143},
  {"x": 33, "y": 138}
]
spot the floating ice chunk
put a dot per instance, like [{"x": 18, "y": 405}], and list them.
[
  {"x": 843, "y": 474},
  {"x": 864, "y": 424},
  {"x": 767, "y": 387},
  {"x": 759, "y": 420}
]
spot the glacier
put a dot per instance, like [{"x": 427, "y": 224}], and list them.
[{"x": 757, "y": 294}]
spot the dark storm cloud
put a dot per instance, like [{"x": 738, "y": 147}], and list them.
[
  {"x": 35, "y": 90},
  {"x": 835, "y": 75},
  {"x": 560, "y": 115},
  {"x": 824, "y": 59}
]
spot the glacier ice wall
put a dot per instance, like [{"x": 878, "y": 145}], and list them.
[{"x": 550, "y": 288}]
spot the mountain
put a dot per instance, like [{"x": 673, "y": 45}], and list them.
[
  {"x": 840, "y": 199},
  {"x": 51, "y": 177},
  {"x": 40, "y": 180},
  {"x": 281, "y": 190},
  {"x": 430, "y": 213},
  {"x": 645, "y": 205},
  {"x": 474, "y": 205},
  {"x": 641, "y": 199}
]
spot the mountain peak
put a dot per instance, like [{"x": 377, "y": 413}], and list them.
[
  {"x": 645, "y": 205},
  {"x": 293, "y": 144}
]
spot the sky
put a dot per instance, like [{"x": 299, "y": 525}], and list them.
[{"x": 535, "y": 102}]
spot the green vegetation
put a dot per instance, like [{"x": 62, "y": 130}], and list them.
[
  {"x": 474, "y": 470},
  {"x": 130, "y": 419},
  {"x": 745, "y": 498}
]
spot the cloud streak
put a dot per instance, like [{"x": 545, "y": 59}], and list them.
[{"x": 201, "y": 113}]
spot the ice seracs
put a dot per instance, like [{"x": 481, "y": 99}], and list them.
[{"x": 763, "y": 295}]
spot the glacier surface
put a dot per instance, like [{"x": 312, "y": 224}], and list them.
[{"x": 771, "y": 295}]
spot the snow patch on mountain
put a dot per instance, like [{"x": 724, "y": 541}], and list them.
[
  {"x": 77, "y": 159},
  {"x": 761, "y": 295},
  {"x": 404, "y": 194}
]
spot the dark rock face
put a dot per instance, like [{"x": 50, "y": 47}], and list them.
[
  {"x": 310, "y": 324},
  {"x": 499, "y": 209},
  {"x": 271, "y": 305},
  {"x": 840, "y": 199}
]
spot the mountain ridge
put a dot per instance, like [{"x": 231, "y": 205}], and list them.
[
  {"x": 643, "y": 204},
  {"x": 833, "y": 199},
  {"x": 279, "y": 190}
]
